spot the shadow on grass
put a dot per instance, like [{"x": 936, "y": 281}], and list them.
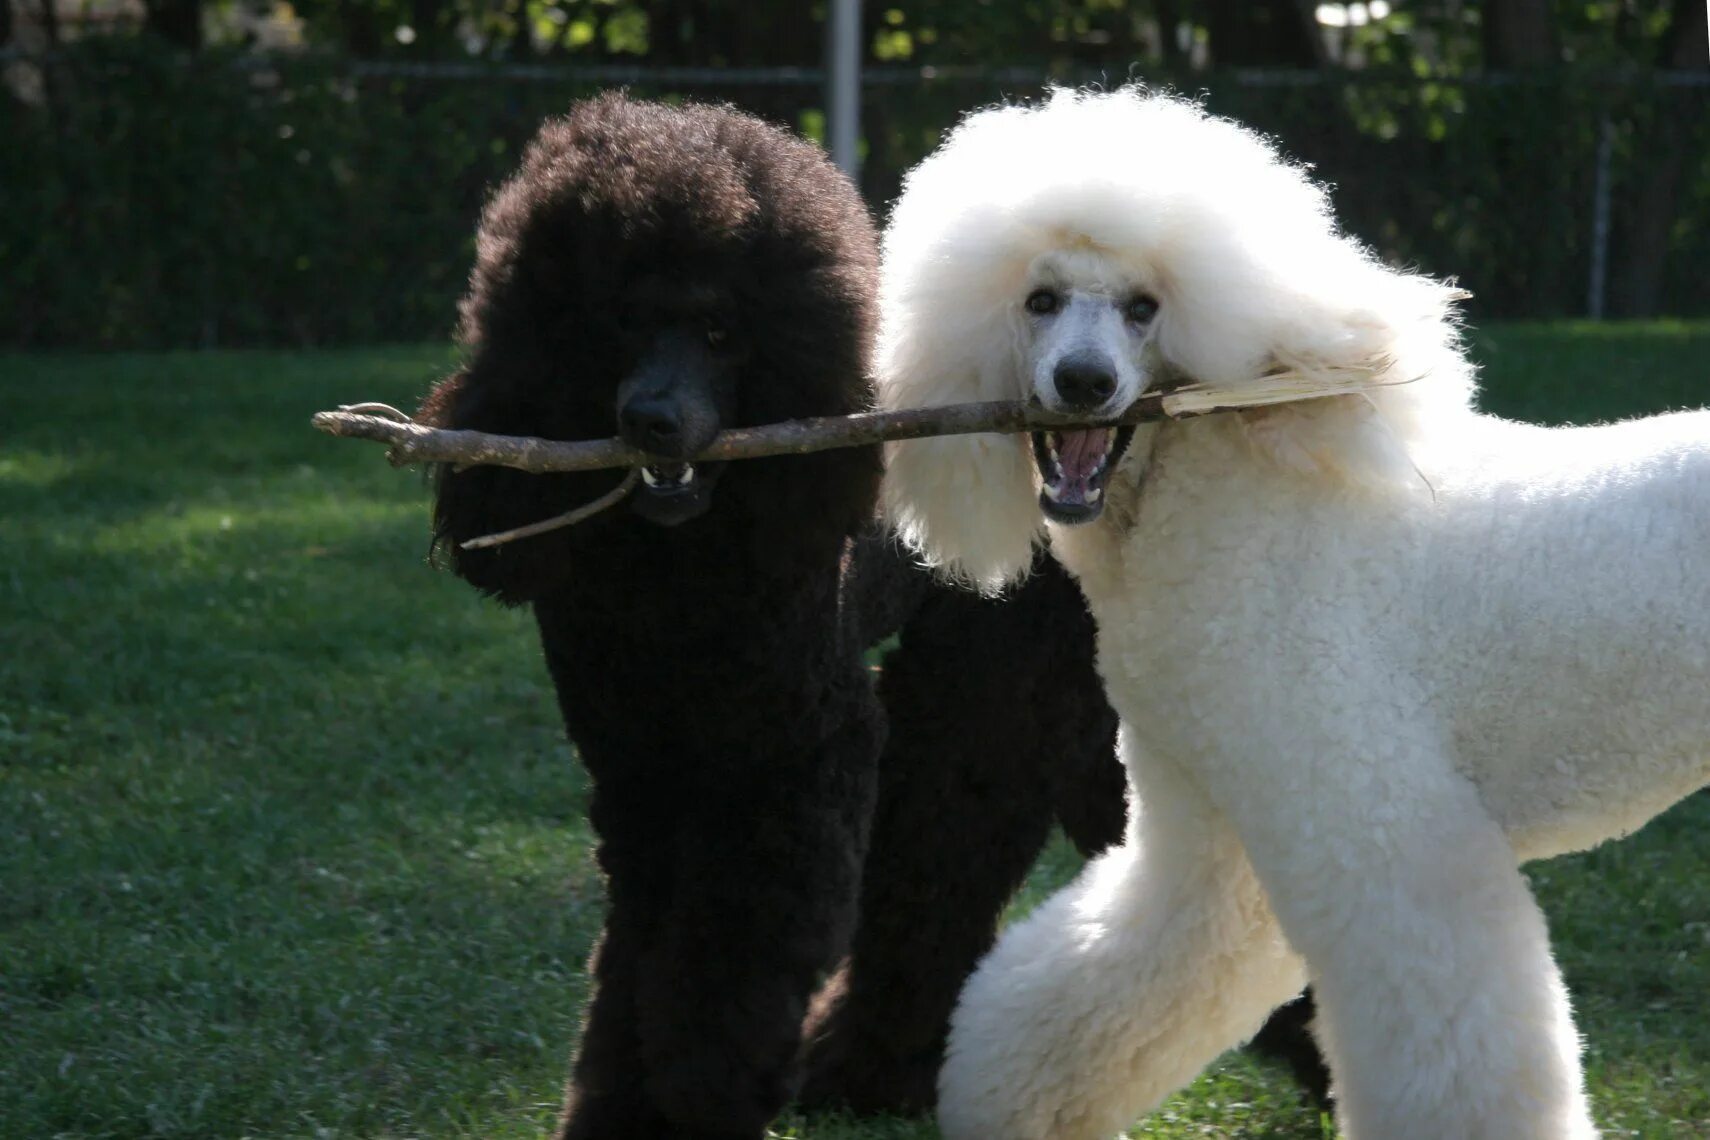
[
  {"x": 292, "y": 843},
  {"x": 315, "y": 864}
]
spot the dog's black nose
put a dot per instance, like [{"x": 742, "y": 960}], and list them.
[
  {"x": 1084, "y": 384},
  {"x": 652, "y": 425}
]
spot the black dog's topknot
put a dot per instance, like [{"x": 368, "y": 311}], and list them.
[{"x": 619, "y": 197}]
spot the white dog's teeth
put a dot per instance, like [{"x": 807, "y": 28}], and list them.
[
  {"x": 1104, "y": 457},
  {"x": 1052, "y": 492},
  {"x": 648, "y": 477},
  {"x": 1093, "y": 494},
  {"x": 688, "y": 475}
]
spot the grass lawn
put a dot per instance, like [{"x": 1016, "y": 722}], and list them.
[{"x": 290, "y": 843}]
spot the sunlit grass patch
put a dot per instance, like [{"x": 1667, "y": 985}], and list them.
[{"x": 35, "y": 470}]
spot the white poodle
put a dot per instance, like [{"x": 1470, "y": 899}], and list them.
[{"x": 1370, "y": 653}]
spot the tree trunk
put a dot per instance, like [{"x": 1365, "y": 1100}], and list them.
[
  {"x": 1687, "y": 45},
  {"x": 433, "y": 30},
  {"x": 361, "y": 30},
  {"x": 178, "y": 22},
  {"x": 672, "y": 32},
  {"x": 50, "y": 66},
  {"x": 1269, "y": 33},
  {"x": 1519, "y": 34},
  {"x": 50, "y": 23},
  {"x": 1659, "y": 166},
  {"x": 1522, "y": 35},
  {"x": 1169, "y": 22}
]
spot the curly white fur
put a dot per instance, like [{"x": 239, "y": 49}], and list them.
[{"x": 1369, "y": 654}]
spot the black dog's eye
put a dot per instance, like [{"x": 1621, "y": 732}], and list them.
[
  {"x": 1043, "y": 302},
  {"x": 1141, "y": 309},
  {"x": 717, "y": 334}
]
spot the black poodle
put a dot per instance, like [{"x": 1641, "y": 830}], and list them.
[{"x": 666, "y": 272}]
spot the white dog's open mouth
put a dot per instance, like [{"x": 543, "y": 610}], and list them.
[{"x": 1075, "y": 464}]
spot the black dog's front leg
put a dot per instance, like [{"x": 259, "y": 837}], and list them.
[
  {"x": 998, "y": 724},
  {"x": 607, "y": 1098},
  {"x": 767, "y": 867}
]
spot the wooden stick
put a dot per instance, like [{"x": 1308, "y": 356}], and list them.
[
  {"x": 569, "y": 518},
  {"x": 416, "y": 443}
]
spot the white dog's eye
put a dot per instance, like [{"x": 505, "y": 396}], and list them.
[
  {"x": 1043, "y": 302},
  {"x": 1141, "y": 309}
]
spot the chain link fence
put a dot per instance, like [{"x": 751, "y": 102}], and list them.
[{"x": 158, "y": 201}]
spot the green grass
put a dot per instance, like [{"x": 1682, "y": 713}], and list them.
[{"x": 290, "y": 844}]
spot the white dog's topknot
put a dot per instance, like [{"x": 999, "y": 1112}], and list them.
[{"x": 1239, "y": 244}]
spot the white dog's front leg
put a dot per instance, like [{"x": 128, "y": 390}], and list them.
[
  {"x": 1122, "y": 986},
  {"x": 1440, "y": 1006}
]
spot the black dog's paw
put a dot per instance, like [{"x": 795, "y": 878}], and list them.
[{"x": 845, "y": 1068}]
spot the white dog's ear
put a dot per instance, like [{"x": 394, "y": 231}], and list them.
[
  {"x": 1344, "y": 438},
  {"x": 1399, "y": 343},
  {"x": 967, "y": 504}
]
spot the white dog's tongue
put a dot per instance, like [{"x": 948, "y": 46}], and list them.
[{"x": 1080, "y": 456}]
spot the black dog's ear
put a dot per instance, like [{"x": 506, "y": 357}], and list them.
[{"x": 482, "y": 500}]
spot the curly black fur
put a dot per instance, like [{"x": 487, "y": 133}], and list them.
[
  {"x": 998, "y": 728},
  {"x": 711, "y": 680},
  {"x": 709, "y": 671},
  {"x": 623, "y": 216}
]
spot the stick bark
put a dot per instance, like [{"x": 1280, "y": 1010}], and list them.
[{"x": 416, "y": 443}]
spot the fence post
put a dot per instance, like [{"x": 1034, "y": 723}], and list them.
[
  {"x": 1600, "y": 221},
  {"x": 843, "y": 84}
]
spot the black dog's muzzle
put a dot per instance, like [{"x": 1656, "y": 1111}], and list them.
[{"x": 669, "y": 408}]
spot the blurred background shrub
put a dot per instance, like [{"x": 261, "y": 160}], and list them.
[{"x": 214, "y": 172}]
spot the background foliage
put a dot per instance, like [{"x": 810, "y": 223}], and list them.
[{"x": 198, "y": 174}]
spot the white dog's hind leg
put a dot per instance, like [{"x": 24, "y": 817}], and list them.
[{"x": 1122, "y": 986}]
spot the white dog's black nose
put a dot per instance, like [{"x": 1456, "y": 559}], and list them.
[{"x": 1084, "y": 383}]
